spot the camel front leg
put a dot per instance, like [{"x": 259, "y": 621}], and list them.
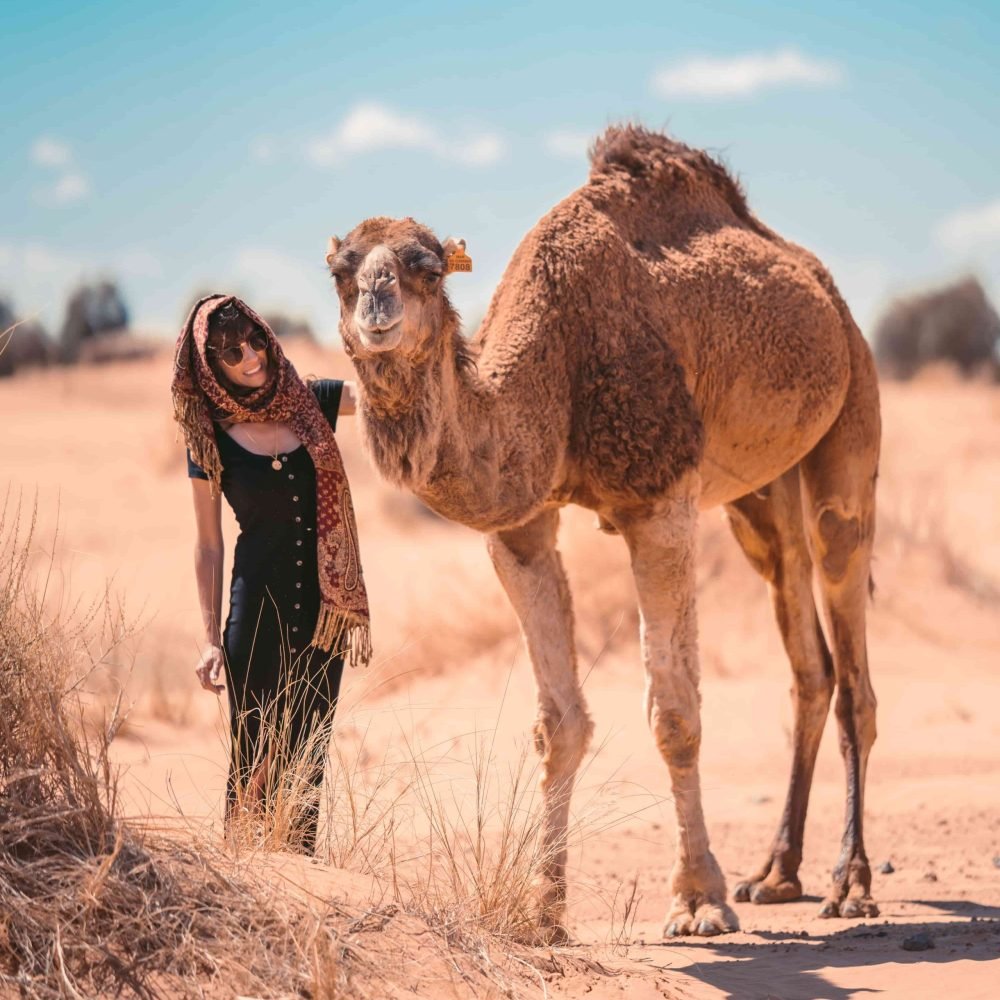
[
  {"x": 531, "y": 572},
  {"x": 662, "y": 550}
]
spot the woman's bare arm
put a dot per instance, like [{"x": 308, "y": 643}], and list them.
[
  {"x": 348, "y": 400},
  {"x": 209, "y": 555}
]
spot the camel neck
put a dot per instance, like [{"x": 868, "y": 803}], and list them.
[{"x": 456, "y": 437}]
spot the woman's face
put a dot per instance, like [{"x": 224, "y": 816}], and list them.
[{"x": 238, "y": 354}]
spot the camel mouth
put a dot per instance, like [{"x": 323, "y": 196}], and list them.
[{"x": 384, "y": 339}]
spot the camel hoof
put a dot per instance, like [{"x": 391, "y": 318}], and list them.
[
  {"x": 741, "y": 894},
  {"x": 784, "y": 892},
  {"x": 830, "y": 908},
  {"x": 715, "y": 918},
  {"x": 863, "y": 906}
]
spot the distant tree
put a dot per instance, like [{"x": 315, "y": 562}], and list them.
[
  {"x": 23, "y": 344},
  {"x": 956, "y": 323},
  {"x": 94, "y": 310}
]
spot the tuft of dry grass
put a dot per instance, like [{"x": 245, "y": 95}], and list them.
[
  {"x": 93, "y": 905},
  {"x": 479, "y": 855},
  {"x": 88, "y": 906}
]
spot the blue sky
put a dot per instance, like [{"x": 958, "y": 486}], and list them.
[{"x": 184, "y": 146}]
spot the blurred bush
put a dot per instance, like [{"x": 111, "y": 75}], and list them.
[
  {"x": 93, "y": 311},
  {"x": 956, "y": 323},
  {"x": 23, "y": 344}
]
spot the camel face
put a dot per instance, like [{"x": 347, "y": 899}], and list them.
[
  {"x": 388, "y": 275},
  {"x": 379, "y": 310}
]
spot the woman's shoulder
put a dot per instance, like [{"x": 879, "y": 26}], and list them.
[{"x": 328, "y": 392}]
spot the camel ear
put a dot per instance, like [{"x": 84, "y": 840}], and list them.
[
  {"x": 331, "y": 249},
  {"x": 453, "y": 246}
]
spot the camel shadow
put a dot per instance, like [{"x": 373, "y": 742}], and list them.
[{"x": 789, "y": 966}]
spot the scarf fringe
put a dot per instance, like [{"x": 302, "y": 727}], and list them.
[
  {"x": 203, "y": 451},
  {"x": 341, "y": 631}
]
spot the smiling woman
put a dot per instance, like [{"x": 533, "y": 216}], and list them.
[{"x": 257, "y": 434}]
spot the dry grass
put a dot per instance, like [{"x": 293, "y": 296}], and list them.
[
  {"x": 88, "y": 906},
  {"x": 91, "y": 905}
]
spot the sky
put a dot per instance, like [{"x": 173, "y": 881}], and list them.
[{"x": 188, "y": 146}]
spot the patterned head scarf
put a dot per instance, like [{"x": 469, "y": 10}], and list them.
[{"x": 199, "y": 399}]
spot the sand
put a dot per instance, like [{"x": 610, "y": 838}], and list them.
[{"x": 97, "y": 450}]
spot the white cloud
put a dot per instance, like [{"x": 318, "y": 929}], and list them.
[
  {"x": 740, "y": 76},
  {"x": 369, "y": 127},
  {"x": 478, "y": 151},
  {"x": 69, "y": 188},
  {"x": 568, "y": 144},
  {"x": 49, "y": 152},
  {"x": 970, "y": 228}
]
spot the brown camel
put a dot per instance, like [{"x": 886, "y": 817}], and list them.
[{"x": 652, "y": 350}]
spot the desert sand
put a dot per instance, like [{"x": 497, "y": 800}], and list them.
[{"x": 95, "y": 448}]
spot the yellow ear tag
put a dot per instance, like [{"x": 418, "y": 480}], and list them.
[{"x": 458, "y": 261}]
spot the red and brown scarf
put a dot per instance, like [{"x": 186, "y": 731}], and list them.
[{"x": 199, "y": 400}]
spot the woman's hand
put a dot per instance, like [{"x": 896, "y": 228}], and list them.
[{"x": 211, "y": 669}]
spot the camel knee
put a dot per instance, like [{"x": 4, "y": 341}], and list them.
[
  {"x": 561, "y": 739},
  {"x": 677, "y": 734}
]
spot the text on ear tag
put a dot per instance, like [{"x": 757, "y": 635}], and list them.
[{"x": 458, "y": 261}]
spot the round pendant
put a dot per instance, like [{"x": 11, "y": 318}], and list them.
[{"x": 276, "y": 465}]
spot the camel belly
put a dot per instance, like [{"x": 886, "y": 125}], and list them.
[
  {"x": 754, "y": 432},
  {"x": 766, "y": 391}
]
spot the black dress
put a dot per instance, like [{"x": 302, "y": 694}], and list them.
[{"x": 282, "y": 689}]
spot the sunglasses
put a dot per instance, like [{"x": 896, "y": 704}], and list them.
[{"x": 233, "y": 354}]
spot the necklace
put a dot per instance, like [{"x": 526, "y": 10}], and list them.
[{"x": 275, "y": 462}]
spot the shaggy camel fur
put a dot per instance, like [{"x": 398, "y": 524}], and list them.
[{"x": 652, "y": 350}]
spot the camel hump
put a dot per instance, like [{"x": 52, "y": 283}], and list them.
[{"x": 643, "y": 155}]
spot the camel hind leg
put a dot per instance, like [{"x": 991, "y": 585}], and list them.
[
  {"x": 769, "y": 528},
  {"x": 531, "y": 571},
  {"x": 838, "y": 477}
]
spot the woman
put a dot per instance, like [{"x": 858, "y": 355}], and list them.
[{"x": 264, "y": 439}]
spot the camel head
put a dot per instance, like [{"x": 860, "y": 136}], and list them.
[{"x": 389, "y": 275}]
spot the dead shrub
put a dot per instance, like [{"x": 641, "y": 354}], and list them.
[
  {"x": 956, "y": 324},
  {"x": 88, "y": 905},
  {"x": 92, "y": 905}
]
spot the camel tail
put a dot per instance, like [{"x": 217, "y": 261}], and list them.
[{"x": 646, "y": 154}]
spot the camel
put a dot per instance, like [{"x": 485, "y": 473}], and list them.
[{"x": 652, "y": 351}]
